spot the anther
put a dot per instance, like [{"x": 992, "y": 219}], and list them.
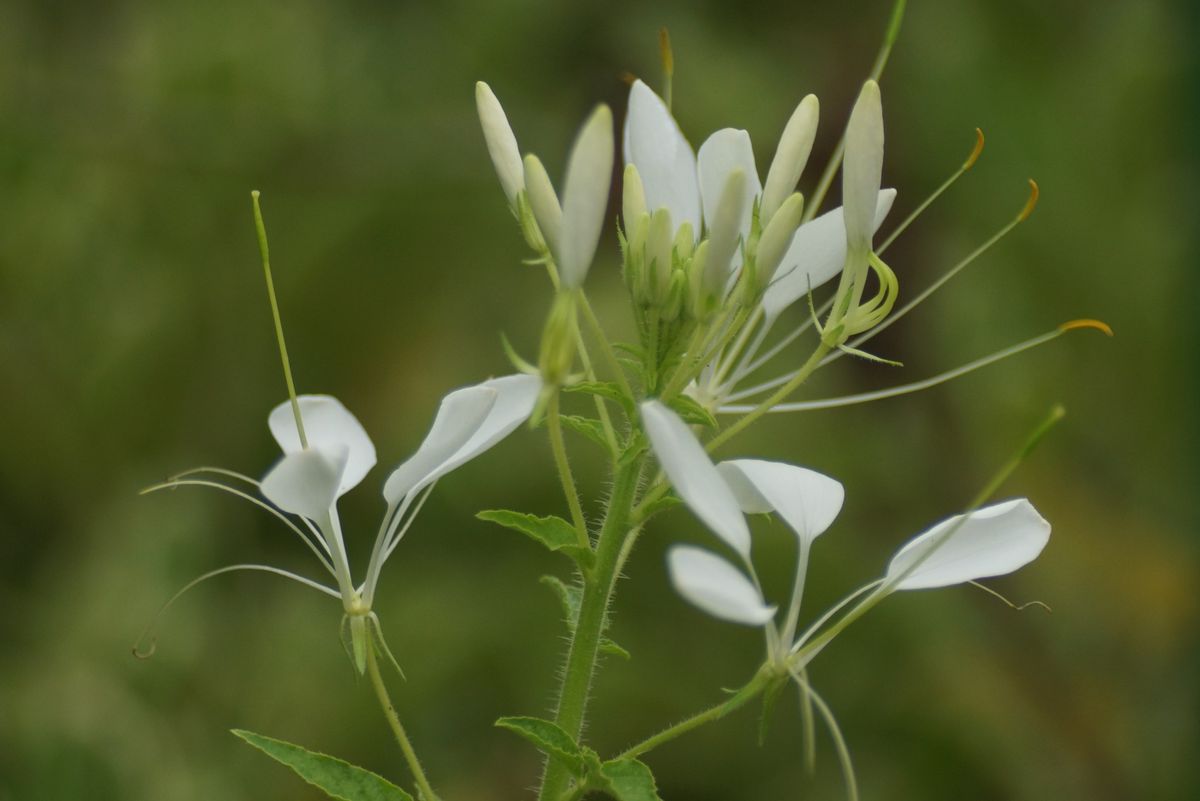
[
  {"x": 1098, "y": 325},
  {"x": 975, "y": 151},
  {"x": 1030, "y": 204}
]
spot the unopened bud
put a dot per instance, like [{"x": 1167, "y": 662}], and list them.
[
  {"x": 791, "y": 156},
  {"x": 658, "y": 252},
  {"x": 543, "y": 201},
  {"x": 777, "y": 236},
  {"x": 633, "y": 198},
  {"x": 501, "y": 144},
  {"x": 685, "y": 241},
  {"x": 723, "y": 238}
]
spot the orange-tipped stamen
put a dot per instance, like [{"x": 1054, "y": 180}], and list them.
[
  {"x": 1098, "y": 325},
  {"x": 927, "y": 202},
  {"x": 1031, "y": 204},
  {"x": 975, "y": 152}
]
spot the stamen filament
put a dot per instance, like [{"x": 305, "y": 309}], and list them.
[
  {"x": 925, "y": 204},
  {"x": 146, "y": 653},
  {"x": 835, "y": 732},
  {"x": 264, "y": 250},
  {"x": 904, "y": 389},
  {"x": 311, "y": 543}
]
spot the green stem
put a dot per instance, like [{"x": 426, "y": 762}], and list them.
[
  {"x": 389, "y": 711},
  {"x": 747, "y": 693},
  {"x": 605, "y": 347},
  {"x": 598, "y": 586},
  {"x": 781, "y": 394},
  {"x": 554, "y": 425}
]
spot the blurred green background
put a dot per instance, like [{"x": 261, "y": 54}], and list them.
[{"x": 135, "y": 341}]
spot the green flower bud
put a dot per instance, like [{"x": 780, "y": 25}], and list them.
[
  {"x": 557, "y": 354},
  {"x": 776, "y": 238}
]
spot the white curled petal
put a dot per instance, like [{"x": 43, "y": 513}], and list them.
[
  {"x": 459, "y": 416},
  {"x": 664, "y": 159},
  {"x": 991, "y": 541},
  {"x": 327, "y": 424},
  {"x": 716, "y": 586},
  {"x": 585, "y": 196},
  {"x": 862, "y": 165},
  {"x": 306, "y": 482},
  {"x": 807, "y": 501},
  {"x": 694, "y": 476},
  {"x": 722, "y": 154},
  {"x": 516, "y": 395},
  {"x": 501, "y": 144},
  {"x": 816, "y": 254}
]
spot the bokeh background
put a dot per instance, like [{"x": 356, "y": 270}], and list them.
[{"x": 135, "y": 341}]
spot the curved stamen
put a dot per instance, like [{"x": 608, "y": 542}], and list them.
[
  {"x": 147, "y": 652},
  {"x": 172, "y": 484},
  {"x": 927, "y": 202},
  {"x": 835, "y": 732}
]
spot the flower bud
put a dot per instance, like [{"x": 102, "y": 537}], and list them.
[
  {"x": 543, "y": 201},
  {"x": 658, "y": 253},
  {"x": 685, "y": 241},
  {"x": 585, "y": 197},
  {"x": 862, "y": 167},
  {"x": 791, "y": 156},
  {"x": 776, "y": 238},
  {"x": 633, "y": 198},
  {"x": 501, "y": 144}
]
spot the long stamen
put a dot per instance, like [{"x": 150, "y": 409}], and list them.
[
  {"x": 835, "y": 159},
  {"x": 925, "y": 204},
  {"x": 668, "y": 64},
  {"x": 917, "y": 386},
  {"x": 172, "y": 484},
  {"x": 264, "y": 250},
  {"x": 220, "y": 471},
  {"x": 148, "y": 633},
  {"x": 1026, "y": 210}
]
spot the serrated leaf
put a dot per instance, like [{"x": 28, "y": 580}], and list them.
[
  {"x": 551, "y": 531},
  {"x": 633, "y": 351},
  {"x": 603, "y": 389},
  {"x": 590, "y": 427},
  {"x": 629, "y": 780},
  {"x": 692, "y": 412},
  {"x": 335, "y": 777},
  {"x": 547, "y": 737}
]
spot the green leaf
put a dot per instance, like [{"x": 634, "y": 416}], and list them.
[
  {"x": 571, "y": 596},
  {"x": 692, "y": 412},
  {"x": 661, "y": 505},
  {"x": 629, "y": 780},
  {"x": 547, "y": 737},
  {"x": 590, "y": 427},
  {"x": 608, "y": 390},
  {"x": 338, "y": 779},
  {"x": 553, "y": 532}
]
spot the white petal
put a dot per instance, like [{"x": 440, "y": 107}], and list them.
[
  {"x": 721, "y": 154},
  {"x": 306, "y": 482},
  {"x": 327, "y": 424},
  {"x": 663, "y": 157},
  {"x": 791, "y": 155},
  {"x": 807, "y": 501},
  {"x": 585, "y": 196},
  {"x": 501, "y": 144},
  {"x": 460, "y": 415},
  {"x": 694, "y": 476},
  {"x": 993, "y": 541},
  {"x": 716, "y": 586},
  {"x": 516, "y": 396},
  {"x": 862, "y": 165},
  {"x": 817, "y": 253}
]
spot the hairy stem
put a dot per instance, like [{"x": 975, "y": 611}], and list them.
[
  {"x": 598, "y": 586},
  {"x": 389, "y": 711},
  {"x": 554, "y": 425}
]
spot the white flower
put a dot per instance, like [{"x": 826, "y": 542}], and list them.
[{"x": 308, "y": 481}]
